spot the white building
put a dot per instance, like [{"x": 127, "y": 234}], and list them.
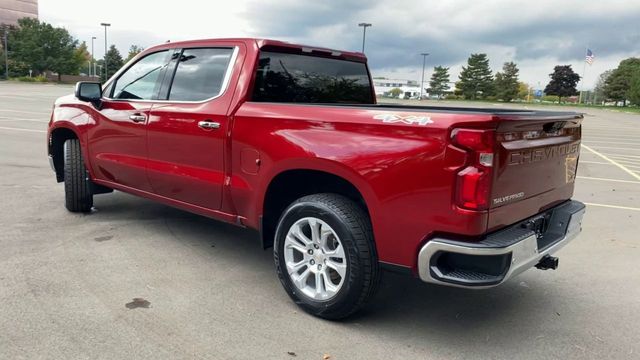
[{"x": 410, "y": 89}]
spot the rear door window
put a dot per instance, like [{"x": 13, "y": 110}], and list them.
[
  {"x": 296, "y": 78},
  {"x": 200, "y": 74}
]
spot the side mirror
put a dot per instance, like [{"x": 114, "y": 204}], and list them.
[{"x": 89, "y": 91}]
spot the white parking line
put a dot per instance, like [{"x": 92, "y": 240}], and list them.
[
  {"x": 606, "y": 129},
  {"x": 587, "y": 138},
  {"x": 606, "y": 179},
  {"x": 627, "y": 161},
  {"x": 622, "y": 167},
  {"x": 5, "y": 119},
  {"x": 616, "y": 148},
  {"x": 614, "y": 142},
  {"x": 18, "y": 129},
  {"x": 624, "y": 156},
  {"x": 608, "y": 136},
  {"x": 610, "y": 133},
  {"x": 594, "y": 162},
  {"x": 613, "y": 206},
  {"x": 25, "y": 112},
  {"x": 25, "y": 97}
]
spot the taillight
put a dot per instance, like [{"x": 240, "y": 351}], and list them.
[{"x": 473, "y": 184}]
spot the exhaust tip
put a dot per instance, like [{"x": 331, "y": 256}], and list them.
[{"x": 548, "y": 262}]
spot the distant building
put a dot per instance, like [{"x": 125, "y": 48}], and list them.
[
  {"x": 409, "y": 88},
  {"x": 12, "y": 10}
]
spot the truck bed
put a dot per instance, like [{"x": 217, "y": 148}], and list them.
[{"x": 459, "y": 110}]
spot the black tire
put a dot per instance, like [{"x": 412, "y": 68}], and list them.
[
  {"x": 78, "y": 194},
  {"x": 353, "y": 227}
]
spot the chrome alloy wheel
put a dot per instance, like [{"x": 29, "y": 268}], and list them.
[{"x": 315, "y": 259}]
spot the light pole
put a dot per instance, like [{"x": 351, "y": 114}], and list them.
[
  {"x": 364, "y": 32},
  {"x": 424, "y": 62},
  {"x": 92, "y": 58},
  {"x": 106, "y": 65}
]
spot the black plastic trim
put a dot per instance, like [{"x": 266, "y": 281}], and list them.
[
  {"x": 398, "y": 269},
  {"x": 479, "y": 270}
]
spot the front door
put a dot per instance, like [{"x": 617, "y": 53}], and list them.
[
  {"x": 186, "y": 131},
  {"x": 117, "y": 141}
]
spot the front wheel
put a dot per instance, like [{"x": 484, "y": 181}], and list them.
[
  {"x": 325, "y": 255},
  {"x": 78, "y": 193}
]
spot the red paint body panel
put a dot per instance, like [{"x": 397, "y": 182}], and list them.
[
  {"x": 183, "y": 158},
  {"x": 117, "y": 146},
  {"x": 405, "y": 172}
]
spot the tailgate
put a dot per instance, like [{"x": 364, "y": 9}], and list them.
[{"x": 536, "y": 165}]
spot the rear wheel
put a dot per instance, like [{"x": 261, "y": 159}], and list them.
[
  {"x": 78, "y": 192},
  {"x": 325, "y": 255}
]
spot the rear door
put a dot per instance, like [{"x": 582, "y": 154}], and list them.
[
  {"x": 117, "y": 140},
  {"x": 188, "y": 125}
]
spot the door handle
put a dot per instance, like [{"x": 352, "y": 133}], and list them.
[
  {"x": 208, "y": 125},
  {"x": 137, "y": 118}
]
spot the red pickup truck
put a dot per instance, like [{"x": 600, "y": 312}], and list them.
[{"x": 288, "y": 139}]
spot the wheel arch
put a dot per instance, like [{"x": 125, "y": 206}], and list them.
[
  {"x": 290, "y": 184},
  {"x": 57, "y": 138}
]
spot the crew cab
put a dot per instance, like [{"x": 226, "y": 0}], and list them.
[{"x": 289, "y": 140}]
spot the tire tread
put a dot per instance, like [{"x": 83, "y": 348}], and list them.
[
  {"x": 358, "y": 223},
  {"x": 77, "y": 186}
]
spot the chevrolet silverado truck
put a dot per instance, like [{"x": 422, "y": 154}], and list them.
[{"x": 289, "y": 140}]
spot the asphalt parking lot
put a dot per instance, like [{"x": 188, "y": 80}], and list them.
[{"x": 207, "y": 290}]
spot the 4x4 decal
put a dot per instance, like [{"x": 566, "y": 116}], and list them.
[{"x": 409, "y": 120}]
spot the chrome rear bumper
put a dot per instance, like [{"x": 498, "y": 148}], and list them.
[{"x": 501, "y": 255}]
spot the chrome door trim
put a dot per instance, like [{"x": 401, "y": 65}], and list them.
[{"x": 225, "y": 81}]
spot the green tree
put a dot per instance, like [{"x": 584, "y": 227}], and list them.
[
  {"x": 133, "y": 51},
  {"x": 439, "y": 81},
  {"x": 43, "y": 47},
  {"x": 634, "y": 88},
  {"x": 83, "y": 55},
  {"x": 617, "y": 86},
  {"x": 2, "y": 62},
  {"x": 599, "y": 90},
  {"x": 506, "y": 82},
  {"x": 563, "y": 82},
  {"x": 395, "y": 92},
  {"x": 114, "y": 62},
  {"x": 524, "y": 90},
  {"x": 476, "y": 79}
]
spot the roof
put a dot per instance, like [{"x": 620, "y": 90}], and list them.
[{"x": 266, "y": 43}]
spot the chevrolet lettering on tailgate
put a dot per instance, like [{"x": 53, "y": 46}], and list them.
[{"x": 535, "y": 155}]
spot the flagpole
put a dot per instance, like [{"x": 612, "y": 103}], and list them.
[{"x": 584, "y": 69}]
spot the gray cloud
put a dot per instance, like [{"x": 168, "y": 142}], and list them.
[
  {"x": 536, "y": 34},
  {"x": 451, "y": 31}
]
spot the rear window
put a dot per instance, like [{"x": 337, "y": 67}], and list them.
[{"x": 295, "y": 78}]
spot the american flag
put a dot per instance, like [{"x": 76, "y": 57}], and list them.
[{"x": 589, "y": 57}]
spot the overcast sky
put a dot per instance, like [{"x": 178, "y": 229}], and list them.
[{"x": 535, "y": 34}]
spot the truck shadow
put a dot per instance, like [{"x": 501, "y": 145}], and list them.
[{"x": 404, "y": 306}]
